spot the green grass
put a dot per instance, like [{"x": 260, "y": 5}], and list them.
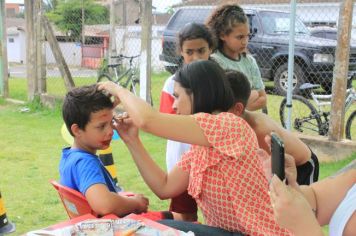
[{"x": 30, "y": 150}]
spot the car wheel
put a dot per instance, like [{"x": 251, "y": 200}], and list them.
[{"x": 281, "y": 79}]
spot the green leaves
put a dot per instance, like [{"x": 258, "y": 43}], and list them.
[{"x": 67, "y": 16}]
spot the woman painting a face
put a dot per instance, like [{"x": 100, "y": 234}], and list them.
[{"x": 222, "y": 170}]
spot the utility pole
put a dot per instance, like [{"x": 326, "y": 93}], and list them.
[
  {"x": 145, "y": 59},
  {"x": 4, "y": 82},
  {"x": 337, "y": 115}
]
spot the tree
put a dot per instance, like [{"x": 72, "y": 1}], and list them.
[
  {"x": 50, "y": 5},
  {"x": 67, "y": 15}
]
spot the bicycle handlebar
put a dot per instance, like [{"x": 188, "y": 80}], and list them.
[{"x": 127, "y": 57}]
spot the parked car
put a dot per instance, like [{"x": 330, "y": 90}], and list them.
[
  {"x": 269, "y": 44},
  {"x": 324, "y": 32}
]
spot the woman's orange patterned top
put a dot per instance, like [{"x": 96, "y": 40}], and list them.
[{"x": 227, "y": 179}]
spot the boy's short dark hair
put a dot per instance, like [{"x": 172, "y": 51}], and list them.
[
  {"x": 193, "y": 31},
  {"x": 240, "y": 86},
  {"x": 206, "y": 80},
  {"x": 80, "y": 102}
]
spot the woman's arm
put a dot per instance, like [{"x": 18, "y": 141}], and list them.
[
  {"x": 162, "y": 184},
  {"x": 175, "y": 127}
]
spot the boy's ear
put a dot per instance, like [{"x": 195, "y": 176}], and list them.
[
  {"x": 75, "y": 130},
  {"x": 238, "y": 109}
]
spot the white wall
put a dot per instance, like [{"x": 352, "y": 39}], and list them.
[
  {"x": 132, "y": 45},
  {"x": 16, "y": 51},
  {"x": 72, "y": 53}
]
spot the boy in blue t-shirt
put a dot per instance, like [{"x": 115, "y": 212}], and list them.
[{"x": 88, "y": 115}]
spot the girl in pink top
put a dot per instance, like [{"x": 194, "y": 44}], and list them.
[{"x": 222, "y": 171}]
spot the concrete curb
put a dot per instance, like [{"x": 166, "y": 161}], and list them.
[
  {"x": 329, "y": 151},
  {"x": 14, "y": 101}
]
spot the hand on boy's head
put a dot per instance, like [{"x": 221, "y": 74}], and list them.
[{"x": 110, "y": 88}]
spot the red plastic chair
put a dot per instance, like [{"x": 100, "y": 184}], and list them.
[
  {"x": 73, "y": 201},
  {"x": 76, "y": 204}
]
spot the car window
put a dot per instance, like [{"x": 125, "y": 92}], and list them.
[
  {"x": 252, "y": 19},
  {"x": 325, "y": 34},
  {"x": 331, "y": 35},
  {"x": 278, "y": 23},
  {"x": 184, "y": 16},
  {"x": 318, "y": 34}
]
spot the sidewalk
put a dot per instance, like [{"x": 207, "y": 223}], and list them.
[{"x": 328, "y": 151}]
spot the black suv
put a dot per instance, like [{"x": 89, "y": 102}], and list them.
[{"x": 269, "y": 44}]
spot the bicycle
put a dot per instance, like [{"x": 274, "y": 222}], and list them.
[
  {"x": 311, "y": 119},
  {"x": 131, "y": 82}
]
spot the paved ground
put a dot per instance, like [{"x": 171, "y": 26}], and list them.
[
  {"x": 328, "y": 151},
  {"x": 19, "y": 71}
]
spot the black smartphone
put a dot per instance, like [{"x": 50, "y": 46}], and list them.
[{"x": 277, "y": 150}]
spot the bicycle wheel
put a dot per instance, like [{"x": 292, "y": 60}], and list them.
[
  {"x": 350, "y": 129},
  {"x": 104, "y": 77},
  {"x": 304, "y": 118}
]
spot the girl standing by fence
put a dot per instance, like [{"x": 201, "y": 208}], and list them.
[{"x": 229, "y": 25}]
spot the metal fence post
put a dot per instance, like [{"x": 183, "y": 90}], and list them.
[
  {"x": 145, "y": 59},
  {"x": 337, "y": 115},
  {"x": 291, "y": 62}
]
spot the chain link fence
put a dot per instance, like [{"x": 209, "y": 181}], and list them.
[
  {"x": 122, "y": 24},
  {"x": 315, "y": 42},
  {"x": 83, "y": 29}
]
